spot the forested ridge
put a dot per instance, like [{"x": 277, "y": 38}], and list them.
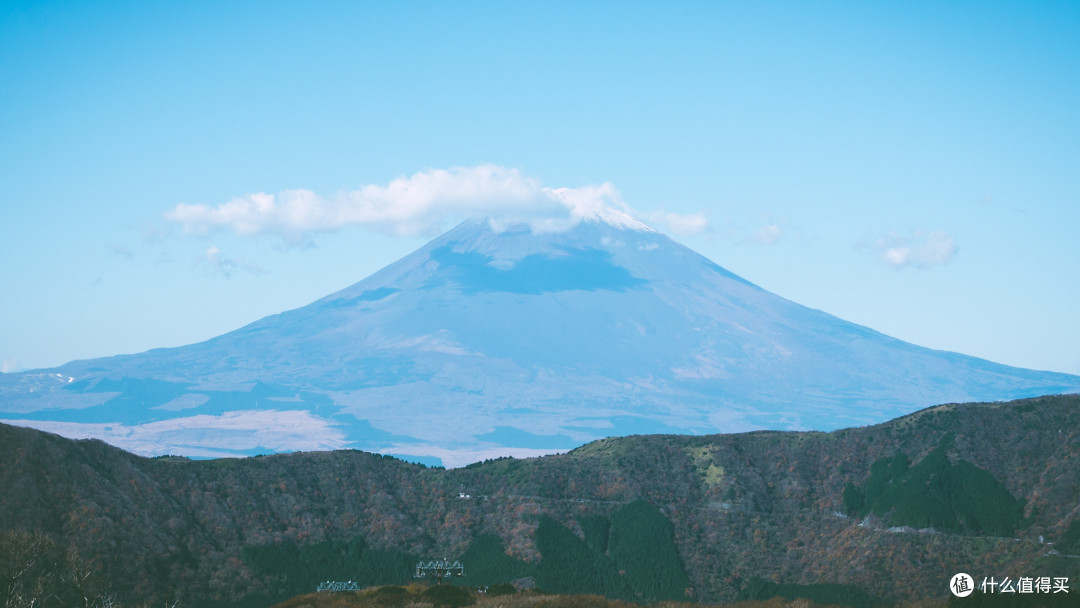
[{"x": 638, "y": 518}]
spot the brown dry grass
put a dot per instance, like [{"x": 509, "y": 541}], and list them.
[{"x": 367, "y": 599}]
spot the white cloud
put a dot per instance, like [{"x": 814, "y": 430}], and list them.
[
  {"x": 9, "y": 366},
  {"x": 768, "y": 235},
  {"x": 772, "y": 230},
  {"x": 218, "y": 263},
  {"x": 423, "y": 203},
  {"x": 918, "y": 249}
]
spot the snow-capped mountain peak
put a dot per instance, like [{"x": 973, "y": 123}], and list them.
[{"x": 497, "y": 338}]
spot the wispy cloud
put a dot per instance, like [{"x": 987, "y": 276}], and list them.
[
  {"x": 422, "y": 204},
  {"x": 773, "y": 230},
  {"x": 120, "y": 251},
  {"x": 678, "y": 223},
  {"x": 218, "y": 263},
  {"x": 155, "y": 232},
  {"x": 769, "y": 234},
  {"x": 8, "y": 366},
  {"x": 916, "y": 249}
]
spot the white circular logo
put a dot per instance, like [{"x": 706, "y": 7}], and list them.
[{"x": 961, "y": 584}]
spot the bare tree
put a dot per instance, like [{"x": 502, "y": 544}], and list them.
[
  {"x": 26, "y": 558},
  {"x": 36, "y": 572}
]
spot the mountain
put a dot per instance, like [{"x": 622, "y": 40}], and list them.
[
  {"x": 489, "y": 342},
  {"x": 988, "y": 489}
]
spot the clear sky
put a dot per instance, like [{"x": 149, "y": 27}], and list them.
[{"x": 913, "y": 167}]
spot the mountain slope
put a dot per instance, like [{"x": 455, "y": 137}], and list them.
[
  {"x": 489, "y": 342},
  {"x": 767, "y": 505}
]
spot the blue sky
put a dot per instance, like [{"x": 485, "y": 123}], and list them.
[{"x": 913, "y": 167}]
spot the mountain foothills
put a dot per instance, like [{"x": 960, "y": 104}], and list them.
[
  {"x": 853, "y": 517},
  {"x": 496, "y": 339}
]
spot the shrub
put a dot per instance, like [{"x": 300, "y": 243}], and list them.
[
  {"x": 501, "y": 589},
  {"x": 449, "y": 596}
]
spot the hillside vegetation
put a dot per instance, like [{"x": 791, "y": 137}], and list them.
[
  {"x": 936, "y": 493},
  {"x": 418, "y": 596},
  {"x": 981, "y": 488}
]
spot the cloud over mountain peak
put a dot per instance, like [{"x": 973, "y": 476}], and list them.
[
  {"x": 423, "y": 204},
  {"x": 489, "y": 342}
]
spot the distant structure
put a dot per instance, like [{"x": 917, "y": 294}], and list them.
[
  {"x": 440, "y": 569},
  {"x": 338, "y": 586}
]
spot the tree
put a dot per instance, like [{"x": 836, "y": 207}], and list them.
[{"x": 37, "y": 572}]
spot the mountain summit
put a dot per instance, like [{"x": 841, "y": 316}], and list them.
[{"x": 498, "y": 339}]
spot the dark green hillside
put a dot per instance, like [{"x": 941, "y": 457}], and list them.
[
  {"x": 568, "y": 565},
  {"x": 488, "y": 563},
  {"x": 620, "y": 516},
  {"x": 299, "y": 568},
  {"x": 642, "y": 543},
  {"x": 641, "y": 561},
  {"x": 937, "y": 494},
  {"x": 596, "y": 529},
  {"x": 1070, "y": 541}
]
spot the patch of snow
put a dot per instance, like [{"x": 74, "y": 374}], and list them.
[
  {"x": 206, "y": 435},
  {"x": 453, "y": 458},
  {"x": 432, "y": 343}
]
